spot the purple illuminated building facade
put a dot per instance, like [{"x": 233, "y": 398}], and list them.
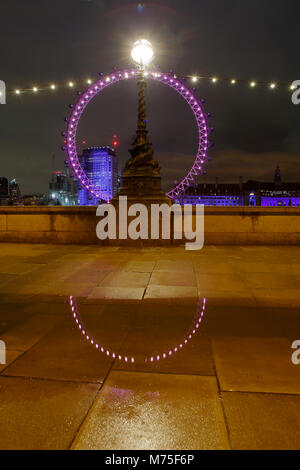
[
  {"x": 251, "y": 193},
  {"x": 215, "y": 200},
  {"x": 279, "y": 194},
  {"x": 280, "y": 201},
  {"x": 100, "y": 165},
  {"x": 226, "y": 195}
]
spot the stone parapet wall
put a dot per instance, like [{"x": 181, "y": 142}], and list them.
[{"x": 223, "y": 226}]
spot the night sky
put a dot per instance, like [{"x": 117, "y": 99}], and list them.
[{"x": 61, "y": 40}]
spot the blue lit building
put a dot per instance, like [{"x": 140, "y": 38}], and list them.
[
  {"x": 277, "y": 199},
  {"x": 101, "y": 167}
]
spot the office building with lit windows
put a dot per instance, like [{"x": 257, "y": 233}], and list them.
[
  {"x": 63, "y": 190},
  {"x": 100, "y": 164}
]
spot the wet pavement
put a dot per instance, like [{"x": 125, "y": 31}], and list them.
[{"x": 157, "y": 348}]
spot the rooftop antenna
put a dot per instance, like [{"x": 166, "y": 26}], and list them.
[{"x": 115, "y": 141}]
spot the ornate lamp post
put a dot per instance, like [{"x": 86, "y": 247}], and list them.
[{"x": 141, "y": 177}]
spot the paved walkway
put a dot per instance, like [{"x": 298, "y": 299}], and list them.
[{"x": 228, "y": 383}]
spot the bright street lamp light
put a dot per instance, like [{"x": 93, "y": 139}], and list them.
[
  {"x": 142, "y": 52},
  {"x": 141, "y": 174}
]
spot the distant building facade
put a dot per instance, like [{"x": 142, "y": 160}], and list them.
[
  {"x": 4, "y": 191},
  {"x": 251, "y": 193},
  {"x": 15, "y": 193},
  {"x": 100, "y": 164},
  {"x": 10, "y": 193},
  {"x": 35, "y": 199},
  {"x": 276, "y": 194},
  {"x": 63, "y": 190}
]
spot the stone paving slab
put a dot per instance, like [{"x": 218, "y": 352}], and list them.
[
  {"x": 172, "y": 294},
  {"x": 25, "y": 335},
  {"x": 87, "y": 275},
  {"x": 155, "y": 411},
  {"x": 195, "y": 359},
  {"x": 278, "y": 280},
  {"x": 251, "y": 321},
  {"x": 139, "y": 266},
  {"x": 221, "y": 282},
  {"x": 5, "y": 278},
  {"x": 173, "y": 278},
  {"x": 232, "y": 385},
  {"x": 17, "y": 268},
  {"x": 126, "y": 279},
  {"x": 113, "y": 294},
  {"x": 11, "y": 356},
  {"x": 41, "y": 414},
  {"x": 243, "y": 298},
  {"x": 256, "y": 365},
  {"x": 67, "y": 288},
  {"x": 173, "y": 265},
  {"x": 262, "y": 421},
  {"x": 62, "y": 355},
  {"x": 276, "y": 297}
]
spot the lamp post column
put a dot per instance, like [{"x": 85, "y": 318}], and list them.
[{"x": 141, "y": 178}]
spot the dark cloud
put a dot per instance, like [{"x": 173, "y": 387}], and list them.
[{"x": 233, "y": 164}]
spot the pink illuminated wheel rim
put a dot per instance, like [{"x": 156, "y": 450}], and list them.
[
  {"x": 157, "y": 357},
  {"x": 167, "y": 79}
]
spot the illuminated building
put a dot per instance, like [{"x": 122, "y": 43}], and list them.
[
  {"x": 63, "y": 190},
  {"x": 214, "y": 200},
  {"x": 100, "y": 165},
  {"x": 214, "y": 195},
  {"x": 15, "y": 193},
  {"x": 276, "y": 194},
  {"x": 10, "y": 193},
  {"x": 251, "y": 193}
]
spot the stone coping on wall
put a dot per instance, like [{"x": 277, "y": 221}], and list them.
[
  {"x": 239, "y": 210},
  {"x": 223, "y": 225}
]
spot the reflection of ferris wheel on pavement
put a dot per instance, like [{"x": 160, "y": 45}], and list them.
[
  {"x": 156, "y": 356},
  {"x": 96, "y": 88}
]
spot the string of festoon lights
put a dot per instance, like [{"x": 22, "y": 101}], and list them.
[{"x": 194, "y": 79}]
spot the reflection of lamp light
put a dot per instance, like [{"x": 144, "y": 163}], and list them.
[{"x": 142, "y": 52}]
